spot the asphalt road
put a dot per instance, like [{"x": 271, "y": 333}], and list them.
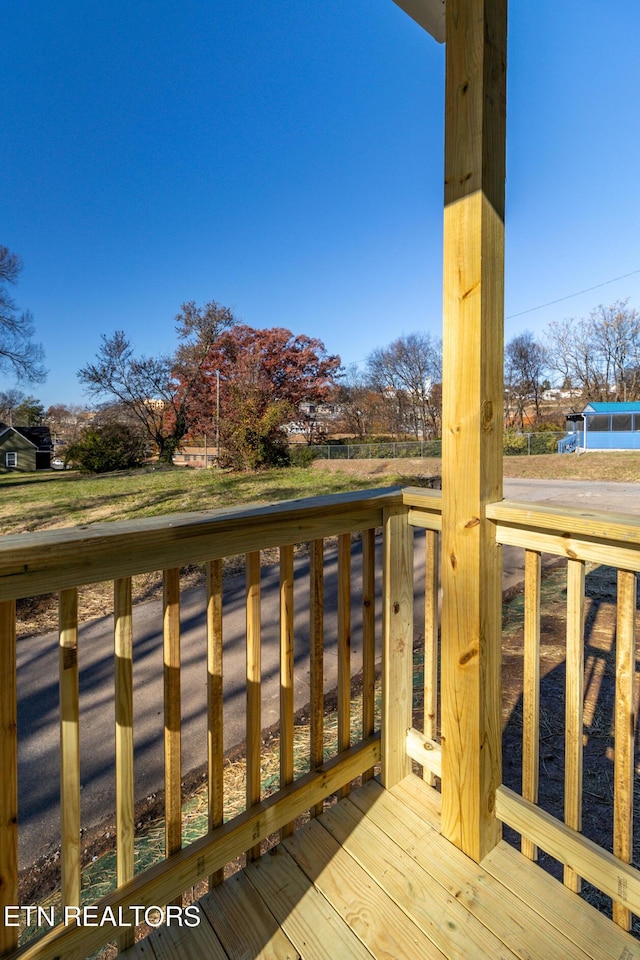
[{"x": 38, "y": 720}]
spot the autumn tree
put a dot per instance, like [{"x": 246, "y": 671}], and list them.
[
  {"x": 156, "y": 391},
  {"x": 264, "y": 377},
  {"x": 405, "y": 374},
  {"x": 19, "y": 354}
]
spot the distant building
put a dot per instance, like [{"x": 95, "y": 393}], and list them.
[
  {"x": 195, "y": 456},
  {"x": 603, "y": 426},
  {"x": 25, "y": 449}
]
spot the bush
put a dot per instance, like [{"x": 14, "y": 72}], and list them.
[{"x": 102, "y": 449}]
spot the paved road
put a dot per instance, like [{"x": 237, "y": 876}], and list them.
[{"x": 38, "y": 676}]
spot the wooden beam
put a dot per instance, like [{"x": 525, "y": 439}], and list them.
[{"x": 475, "y": 118}]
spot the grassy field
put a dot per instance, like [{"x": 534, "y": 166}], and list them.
[{"x": 48, "y": 500}]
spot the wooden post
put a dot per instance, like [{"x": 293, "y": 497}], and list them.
[{"x": 475, "y": 119}]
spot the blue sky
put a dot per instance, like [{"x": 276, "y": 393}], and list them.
[{"x": 285, "y": 159}]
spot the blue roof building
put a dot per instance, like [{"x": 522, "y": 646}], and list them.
[{"x": 603, "y": 426}]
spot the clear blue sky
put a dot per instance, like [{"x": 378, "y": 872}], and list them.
[{"x": 285, "y": 159}]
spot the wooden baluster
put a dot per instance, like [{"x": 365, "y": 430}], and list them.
[
  {"x": 215, "y": 702},
  {"x": 368, "y": 637},
  {"x": 531, "y": 687},
  {"x": 397, "y": 676},
  {"x": 172, "y": 714},
  {"x": 431, "y": 585},
  {"x": 624, "y": 729},
  {"x": 316, "y": 658},
  {"x": 69, "y": 746},
  {"x": 286, "y": 672},
  {"x": 9, "y": 768},
  {"x": 574, "y": 707},
  {"x": 253, "y": 718},
  {"x": 123, "y": 652},
  {"x": 344, "y": 646}
]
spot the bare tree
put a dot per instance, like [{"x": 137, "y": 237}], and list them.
[
  {"x": 157, "y": 390},
  {"x": 524, "y": 372},
  {"x": 405, "y": 374},
  {"x": 600, "y": 354},
  {"x": 10, "y": 400},
  {"x": 18, "y": 352}
]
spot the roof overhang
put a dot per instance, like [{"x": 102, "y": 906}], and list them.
[{"x": 430, "y": 14}]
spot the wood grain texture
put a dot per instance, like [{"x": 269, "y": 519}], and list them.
[
  {"x": 531, "y": 687},
  {"x": 69, "y": 747},
  {"x": 344, "y": 644},
  {"x": 9, "y": 768},
  {"x": 431, "y": 633},
  {"x": 123, "y": 652},
  {"x": 243, "y": 924},
  {"x": 286, "y": 672},
  {"x": 161, "y": 882},
  {"x": 172, "y": 712},
  {"x": 397, "y": 639},
  {"x": 475, "y": 123},
  {"x": 625, "y": 728},
  {"x": 349, "y": 884},
  {"x": 368, "y": 635},
  {"x": 254, "y": 676},
  {"x": 215, "y": 702},
  {"x": 617, "y": 879},
  {"x": 51, "y": 560},
  {"x": 574, "y": 706},
  {"x": 316, "y": 656}
]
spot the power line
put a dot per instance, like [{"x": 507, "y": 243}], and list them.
[{"x": 570, "y": 295}]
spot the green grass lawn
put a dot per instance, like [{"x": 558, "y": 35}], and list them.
[
  {"x": 47, "y": 500},
  {"x": 59, "y": 499}
]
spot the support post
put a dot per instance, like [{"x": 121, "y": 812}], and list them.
[
  {"x": 475, "y": 116},
  {"x": 397, "y": 639}
]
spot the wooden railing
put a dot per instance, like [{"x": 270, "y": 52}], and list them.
[
  {"x": 61, "y": 561},
  {"x": 580, "y": 537}
]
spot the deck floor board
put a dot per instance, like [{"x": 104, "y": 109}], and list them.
[{"x": 373, "y": 878}]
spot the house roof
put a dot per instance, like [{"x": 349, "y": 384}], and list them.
[
  {"x": 613, "y": 407},
  {"x": 39, "y": 437}
]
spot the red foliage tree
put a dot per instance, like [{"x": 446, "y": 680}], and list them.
[{"x": 264, "y": 376}]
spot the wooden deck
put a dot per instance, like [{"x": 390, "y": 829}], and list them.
[{"x": 373, "y": 877}]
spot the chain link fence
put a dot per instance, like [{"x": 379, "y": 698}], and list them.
[{"x": 515, "y": 444}]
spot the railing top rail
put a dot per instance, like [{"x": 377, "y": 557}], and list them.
[
  {"x": 568, "y": 521},
  {"x": 50, "y": 560}
]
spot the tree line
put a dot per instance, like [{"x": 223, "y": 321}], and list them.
[{"x": 244, "y": 387}]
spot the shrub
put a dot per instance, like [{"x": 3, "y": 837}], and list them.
[{"x": 102, "y": 449}]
